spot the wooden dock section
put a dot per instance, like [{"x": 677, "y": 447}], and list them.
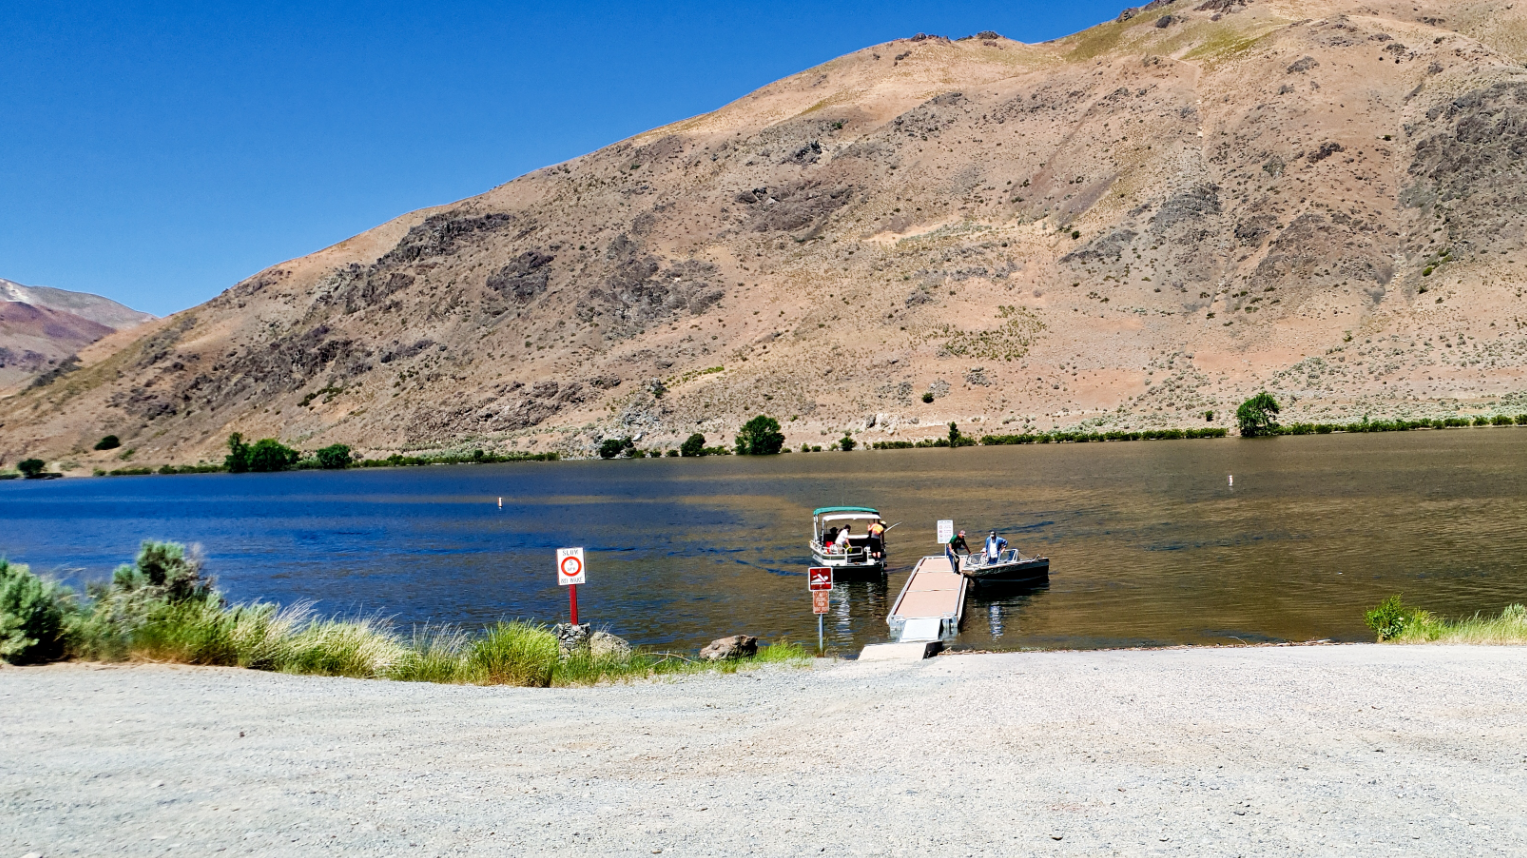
[{"x": 931, "y": 604}]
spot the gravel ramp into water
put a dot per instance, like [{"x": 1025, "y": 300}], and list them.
[{"x": 1337, "y": 750}]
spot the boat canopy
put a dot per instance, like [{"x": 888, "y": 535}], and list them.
[{"x": 830, "y": 509}]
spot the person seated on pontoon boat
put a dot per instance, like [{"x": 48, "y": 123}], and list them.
[
  {"x": 829, "y": 537},
  {"x": 995, "y": 545},
  {"x": 842, "y": 542}
]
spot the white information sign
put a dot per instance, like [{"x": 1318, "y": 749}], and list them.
[
  {"x": 570, "y": 566},
  {"x": 945, "y": 531}
]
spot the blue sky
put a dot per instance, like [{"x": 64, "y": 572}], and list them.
[{"x": 157, "y": 153}]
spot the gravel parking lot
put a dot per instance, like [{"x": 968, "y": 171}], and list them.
[{"x": 1331, "y": 750}]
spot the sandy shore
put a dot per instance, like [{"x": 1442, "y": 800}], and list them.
[{"x": 1343, "y": 750}]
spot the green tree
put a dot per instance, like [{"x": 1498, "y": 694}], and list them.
[
  {"x": 954, "y": 434},
  {"x": 613, "y": 447},
  {"x": 268, "y": 454},
  {"x": 694, "y": 445},
  {"x": 31, "y": 468},
  {"x": 1257, "y": 415},
  {"x": 237, "y": 460},
  {"x": 337, "y": 457},
  {"x": 847, "y": 444},
  {"x": 760, "y": 437},
  {"x": 110, "y": 442}
]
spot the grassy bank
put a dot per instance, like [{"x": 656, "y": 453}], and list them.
[
  {"x": 162, "y": 608},
  {"x": 1397, "y": 425},
  {"x": 1393, "y": 621}
]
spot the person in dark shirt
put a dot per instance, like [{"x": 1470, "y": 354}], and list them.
[{"x": 953, "y": 549}]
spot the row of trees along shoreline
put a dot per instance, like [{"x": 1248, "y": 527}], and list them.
[{"x": 1257, "y": 417}]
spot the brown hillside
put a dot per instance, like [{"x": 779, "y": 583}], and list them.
[
  {"x": 33, "y": 340},
  {"x": 1125, "y": 228}
]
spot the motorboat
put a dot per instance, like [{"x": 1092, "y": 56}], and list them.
[
  {"x": 860, "y": 556},
  {"x": 1008, "y": 567}
]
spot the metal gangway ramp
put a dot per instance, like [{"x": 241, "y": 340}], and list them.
[{"x": 931, "y": 604}]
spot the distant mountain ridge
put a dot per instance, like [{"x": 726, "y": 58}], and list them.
[
  {"x": 40, "y": 327},
  {"x": 1133, "y": 227},
  {"x": 102, "y": 311}
]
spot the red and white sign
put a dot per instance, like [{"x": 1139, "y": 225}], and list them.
[
  {"x": 570, "y": 567},
  {"x": 819, "y": 601},
  {"x": 819, "y": 578}
]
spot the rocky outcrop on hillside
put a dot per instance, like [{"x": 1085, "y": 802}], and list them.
[{"x": 1131, "y": 227}]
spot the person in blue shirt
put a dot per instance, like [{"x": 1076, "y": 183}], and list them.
[{"x": 995, "y": 545}]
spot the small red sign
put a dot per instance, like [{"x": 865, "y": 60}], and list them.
[
  {"x": 819, "y": 601},
  {"x": 819, "y": 578}
]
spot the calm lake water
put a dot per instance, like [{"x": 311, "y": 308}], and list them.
[{"x": 1149, "y": 545}]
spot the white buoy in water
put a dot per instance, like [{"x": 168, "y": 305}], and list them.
[
  {"x": 1232, "y": 484},
  {"x": 500, "y": 503}
]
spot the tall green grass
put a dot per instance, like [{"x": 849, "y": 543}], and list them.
[
  {"x": 163, "y": 609},
  {"x": 1393, "y": 621}
]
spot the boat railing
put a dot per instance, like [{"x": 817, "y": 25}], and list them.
[{"x": 859, "y": 553}]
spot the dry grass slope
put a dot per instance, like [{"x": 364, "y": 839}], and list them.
[{"x": 1321, "y": 199}]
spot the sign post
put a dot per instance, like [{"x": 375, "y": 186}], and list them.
[
  {"x": 819, "y": 582},
  {"x": 945, "y": 531},
  {"x": 570, "y": 573}
]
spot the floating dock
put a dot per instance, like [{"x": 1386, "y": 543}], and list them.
[{"x": 931, "y": 604}]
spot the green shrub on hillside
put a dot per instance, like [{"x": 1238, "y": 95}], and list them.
[
  {"x": 31, "y": 468},
  {"x": 694, "y": 445},
  {"x": 110, "y": 442}
]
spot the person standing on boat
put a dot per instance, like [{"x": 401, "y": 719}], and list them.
[
  {"x": 842, "y": 540},
  {"x": 877, "y": 539},
  {"x": 953, "y": 549},
  {"x": 995, "y": 545}
]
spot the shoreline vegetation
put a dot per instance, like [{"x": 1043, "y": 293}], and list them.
[
  {"x": 760, "y": 436},
  {"x": 163, "y": 609},
  {"x": 1393, "y": 621}
]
